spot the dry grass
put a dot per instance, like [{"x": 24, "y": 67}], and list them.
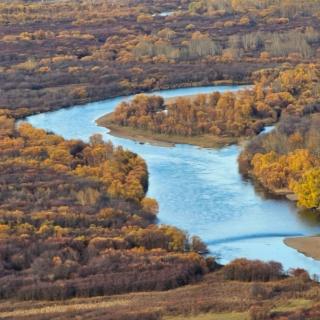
[
  {"x": 211, "y": 299},
  {"x": 213, "y": 316},
  {"x": 61, "y": 308},
  {"x": 292, "y": 305}
]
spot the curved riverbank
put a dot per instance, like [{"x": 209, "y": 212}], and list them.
[
  {"x": 102, "y": 96},
  {"x": 200, "y": 190},
  {"x": 309, "y": 246},
  {"x": 207, "y": 140},
  {"x": 143, "y": 136}
]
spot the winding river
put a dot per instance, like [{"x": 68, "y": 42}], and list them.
[{"x": 201, "y": 191}]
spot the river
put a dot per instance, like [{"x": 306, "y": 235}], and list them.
[{"x": 201, "y": 191}]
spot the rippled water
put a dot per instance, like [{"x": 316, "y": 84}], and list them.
[{"x": 201, "y": 191}]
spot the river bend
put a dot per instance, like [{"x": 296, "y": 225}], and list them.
[{"x": 200, "y": 190}]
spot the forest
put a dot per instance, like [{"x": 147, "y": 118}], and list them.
[
  {"x": 276, "y": 93},
  {"x": 60, "y": 53},
  {"x": 287, "y": 160},
  {"x": 79, "y": 237},
  {"x": 75, "y": 222}
]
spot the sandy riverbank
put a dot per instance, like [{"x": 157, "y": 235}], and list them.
[
  {"x": 309, "y": 246},
  {"x": 142, "y": 136}
]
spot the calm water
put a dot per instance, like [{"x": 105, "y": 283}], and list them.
[
  {"x": 201, "y": 191},
  {"x": 164, "y": 14}
]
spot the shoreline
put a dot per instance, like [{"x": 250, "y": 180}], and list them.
[
  {"x": 142, "y": 136},
  {"x": 308, "y": 245},
  {"x": 204, "y": 141},
  {"x": 285, "y": 193},
  {"x": 128, "y": 93},
  {"x": 115, "y": 133},
  {"x": 162, "y": 140}
]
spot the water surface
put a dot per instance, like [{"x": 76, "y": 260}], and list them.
[
  {"x": 164, "y": 14},
  {"x": 201, "y": 190}
]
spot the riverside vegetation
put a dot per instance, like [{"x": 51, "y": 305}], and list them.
[
  {"x": 75, "y": 221},
  {"x": 60, "y": 53},
  {"x": 285, "y": 161},
  {"x": 276, "y": 93}
]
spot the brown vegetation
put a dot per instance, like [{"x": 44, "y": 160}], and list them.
[
  {"x": 74, "y": 221},
  {"x": 216, "y": 114},
  {"x": 61, "y": 53},
  {"x": 213, "y": 298},
  {"x": 244, "y": 270},
  {"x": 228, "y": 115},
  {"x": 74, "y": 217},
  {"x": 287, "y": 160}
]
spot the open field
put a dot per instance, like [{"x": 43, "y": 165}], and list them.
[{"x": 213, "y": 298}]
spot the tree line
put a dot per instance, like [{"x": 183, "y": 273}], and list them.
[
  {"x": 287, "y": 160},
  {"x": 226, "y": 114},
  {"x": 75, "y": 221},
  {"x": 57, "y": 53}
]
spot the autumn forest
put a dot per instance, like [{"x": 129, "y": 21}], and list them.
[{"x": 79, "y": 234}]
